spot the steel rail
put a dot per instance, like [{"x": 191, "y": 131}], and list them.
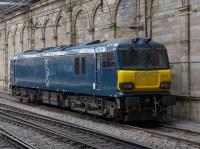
[
  {"x": 14, "y": 140},
  {"x": 154, "y": 132},
  {"x": 50, "y": 132},
  {"x": 179, "y": 129},
  {"x": 82, "y": 130},
  {"x": 169, "y": 136}
]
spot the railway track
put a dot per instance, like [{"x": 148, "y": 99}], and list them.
[
  {"x": 190, "y": 136},
  {"x": 84, "y": 137},
  {"x": 179, "y": 129},
  {"x": 14, "y": 142},
  {"x": 174, "y": 133},
  {"x": 164, "y": 131}
]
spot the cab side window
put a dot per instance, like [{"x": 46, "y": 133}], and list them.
[
  {"x": 77, "y": 66},
  {"x": 80, "y": 65},
  {"x": 108, "y": 59},
  {"x": 83, "y": 66}
]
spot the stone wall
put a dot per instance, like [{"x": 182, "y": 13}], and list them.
[{"x": 176, "y": 24}]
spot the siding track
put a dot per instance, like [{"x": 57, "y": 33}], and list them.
[
  {"x": 15, "y": 142},
  {"x": 81, "y": 136},
  {"x": 170, "y": 132}
]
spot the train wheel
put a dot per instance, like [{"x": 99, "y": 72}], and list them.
[
  {"x": 119, "y": 116},
  {"x": 37, "y": 99},
  {"x": 29, "y": 98},
  {"x": 13, "y": 91},
  {"x": 21, "y": 99}
]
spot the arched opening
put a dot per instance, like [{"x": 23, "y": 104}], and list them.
[
  {"x": 62, "y": 31},
  {"x": 26, "y": 39},
  {"x": 38, "y": 42},
  {"x": 2, "y": 57},
  {"x": 22, "y": 39},
  {"x": 17, "y": 40},
  {"x": 102, "y": 23},
  {"x": 82, "y": 27},
  {"x": 10, "y": 52},
  {"x": 126, "y": 17},
  {"x": 49, "y": 34}
]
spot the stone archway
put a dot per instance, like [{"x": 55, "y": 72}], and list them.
[
  {"x": 49, "y": 35},
  {"x": 125, "y": 16},
  {"x": 102, "y": 22},
  {"x": 38, "y": 36},
  {"x": 62, "y": 35},
  {"x": 82, "y": 26},
  {"x": 2, "y": 58}
]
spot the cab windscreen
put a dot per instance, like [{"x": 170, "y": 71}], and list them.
[{"x": 143, "y": 59}]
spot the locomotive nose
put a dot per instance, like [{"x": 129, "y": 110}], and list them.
[{"x": 130, "y": 80}]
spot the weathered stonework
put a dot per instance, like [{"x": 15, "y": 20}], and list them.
[{"x": 174, "y": 23}]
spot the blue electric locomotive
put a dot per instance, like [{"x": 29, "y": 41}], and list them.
[{"x": 125, "y": 79}]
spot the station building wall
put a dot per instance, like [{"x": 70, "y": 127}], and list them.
[{"x": 176, "y": 23}]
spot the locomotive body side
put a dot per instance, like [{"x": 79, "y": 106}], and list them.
[{"x": 76, "y": 74}]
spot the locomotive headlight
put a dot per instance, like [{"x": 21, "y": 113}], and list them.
[
  {"x": 126, "y": 86},
  {"x": 165, "y": 85}
]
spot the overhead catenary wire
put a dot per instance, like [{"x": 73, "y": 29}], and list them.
[
  {"x": 13, "y": 6},
  {"x": 10, "y": 4}
]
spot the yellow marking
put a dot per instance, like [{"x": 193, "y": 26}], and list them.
[{"x": 144, "y": 80}]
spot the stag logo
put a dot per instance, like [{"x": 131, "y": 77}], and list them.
[{"x": 46, "y": 72}]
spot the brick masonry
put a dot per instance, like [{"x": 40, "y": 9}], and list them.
[{"x": 174, "y": 23}]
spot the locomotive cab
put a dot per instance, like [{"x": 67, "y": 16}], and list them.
[
  {"x": 143, "y": 70},
  {"x": 144, "y": 80}
]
